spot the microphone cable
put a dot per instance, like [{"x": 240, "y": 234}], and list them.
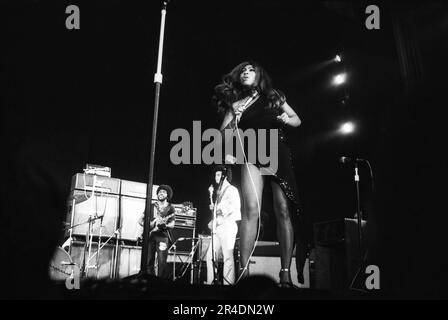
[
  {"x": 258, "y": 205},
  {"x": 371, "y": 176}
]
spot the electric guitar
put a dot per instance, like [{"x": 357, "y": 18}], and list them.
[
  {"x": 219, "y": 217},
  {"x": 210, "y": 190},
  {"x": 160, "y": 220}
]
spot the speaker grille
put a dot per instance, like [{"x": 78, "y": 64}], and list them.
[{"x": 182, "y": 246}]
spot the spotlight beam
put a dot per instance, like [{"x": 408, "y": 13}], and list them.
[
  {"x": 347, "y": 128},
  {"x": 339, "y": 79}
]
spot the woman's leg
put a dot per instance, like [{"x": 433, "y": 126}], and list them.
[
  {"x": 285, "y": 231},
  {"x": 252, "y": 189}
]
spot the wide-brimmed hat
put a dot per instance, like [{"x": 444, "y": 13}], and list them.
[{"x": 168, "y": 190}]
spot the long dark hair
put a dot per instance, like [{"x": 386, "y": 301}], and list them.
[{"x": 231, "y": 89}]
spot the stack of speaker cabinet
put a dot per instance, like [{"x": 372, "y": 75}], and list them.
[
  {"x": 182, "y": 254},
  {"x": 112, "y": 208},
  {"x": 337, "y": 253}
]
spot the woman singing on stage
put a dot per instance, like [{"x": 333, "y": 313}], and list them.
[{"x": 246, "y": 100}]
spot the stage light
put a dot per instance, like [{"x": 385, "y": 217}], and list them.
[
  {"x": 347, "y": 128},
  {"x": 337, "y": 58},
  {"x": 339, "y": 79}
]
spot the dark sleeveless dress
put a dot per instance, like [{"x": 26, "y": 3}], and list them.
[{"x": 260, "y": 116}]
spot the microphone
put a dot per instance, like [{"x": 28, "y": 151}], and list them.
[
  {"x": 246, "y": 104},
  {"x": 348, "y": 160}
]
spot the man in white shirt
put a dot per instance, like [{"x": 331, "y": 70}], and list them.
[{"x": 228, "y": 212}]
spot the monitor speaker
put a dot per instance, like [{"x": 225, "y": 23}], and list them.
[
  {"x": 266, "y": 261},
  {"x": 336, "y": 258},
  {"x": 270, "y": 266},
  {"x": 182, "y": 246}
]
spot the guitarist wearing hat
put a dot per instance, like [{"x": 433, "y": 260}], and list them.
[{"x": 159, "y": 235}]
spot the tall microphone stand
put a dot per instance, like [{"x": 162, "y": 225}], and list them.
[
  {"x": 359, "y": 222},
  {"x": 148, "y": 215},
  {"x": 214, "y": 260},
  {"x": 358, "y": 214}
]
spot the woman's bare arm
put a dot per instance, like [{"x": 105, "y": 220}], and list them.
[{"x": 289, "y": 116}]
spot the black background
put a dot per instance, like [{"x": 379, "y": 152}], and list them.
[{"x": 72, "y": 97}]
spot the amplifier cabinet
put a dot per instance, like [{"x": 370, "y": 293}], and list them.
[
  {"x": 101, "y": 269},
  {"x": 130, "y": 259},
  {"x": 137, "y": 189},
  {"x": 83, "y": 205},
  {"x": 82, "y": 181},
  {"x": 336, "y": 252},
  {"x": 132, "y": 209},
  {"x": 184, "y": 222},
  {"x": 179, "y": 267},
  {"x": 184, "y": 219}
]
